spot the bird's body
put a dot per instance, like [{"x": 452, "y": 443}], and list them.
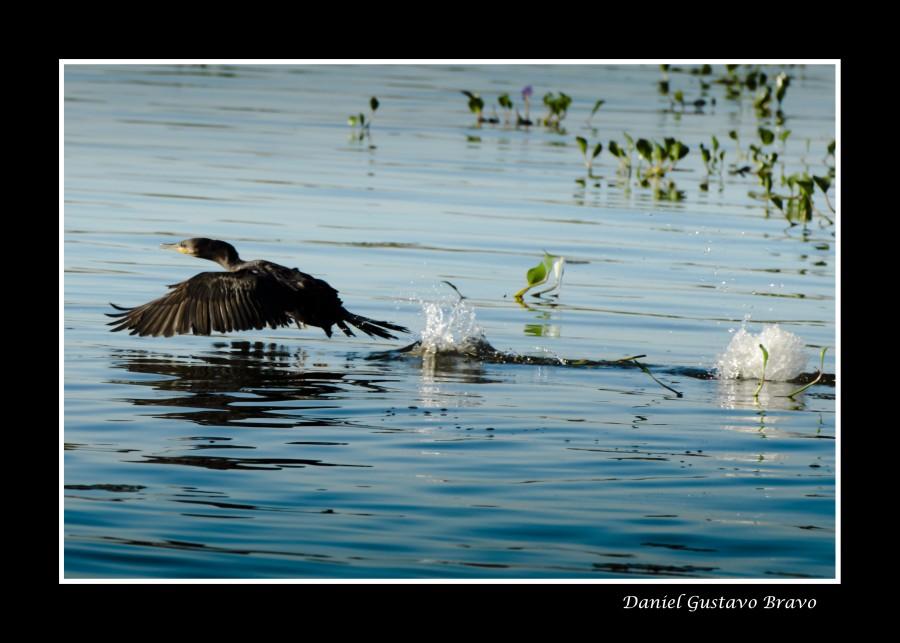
[{"x": 251, "y": 295}]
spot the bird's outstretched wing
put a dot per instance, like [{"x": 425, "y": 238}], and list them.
[{"x": 210, "y": 301}]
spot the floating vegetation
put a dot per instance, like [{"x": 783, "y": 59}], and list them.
[
  {"x": 583, "y": 146},
  {"x": 361, "y": 126},
  {"x": 791, "y": 191},
  {"x": 541, "y": 273}
]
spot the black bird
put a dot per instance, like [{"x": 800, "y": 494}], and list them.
[{"x": 252, "y": 294}]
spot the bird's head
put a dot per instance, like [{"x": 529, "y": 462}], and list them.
[{"x": 219, "y": 251}]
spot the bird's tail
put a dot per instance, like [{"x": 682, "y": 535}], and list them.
[{"x": 370, "y": 327}]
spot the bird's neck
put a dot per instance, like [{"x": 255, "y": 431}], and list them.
[{"x": 230, "y": 260}]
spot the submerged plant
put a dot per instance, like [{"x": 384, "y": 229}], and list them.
[
  {"x": 364, "y": 125},
  {"x": 540, "y": 274}
]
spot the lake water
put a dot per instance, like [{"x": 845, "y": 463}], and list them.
[{"x": 282, "y": 454}]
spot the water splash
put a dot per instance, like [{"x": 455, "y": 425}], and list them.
[
  {"x": 450, "y": 327},
  {"x": 744, "y": 360}
]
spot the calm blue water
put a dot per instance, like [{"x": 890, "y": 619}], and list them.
[{"x": 286, "y": 455}]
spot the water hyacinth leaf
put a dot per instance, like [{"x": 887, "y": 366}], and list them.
[
  {"x": 659, "y": 152},
  {"x": 597, "y": 149},
  {"x": 582, "y": 144},
  {"x": 537, "y": 275},
  {"x": 373, "y": 103},
  {"x": 766, "y": 135},
  {"x": 351, "y": 121},
  {"x": 781, "y": 84},
  {"x": 597, "y": 106},
  {"x": 823, "y": 182},
  {"x": 557, "y": 272},
  {"x": 645, "y": 149},
  {"x": 615, "y": 150},
  {"x": 778, "y": 202},
  {"x": 505, "y": 102},
  {"x": 784, "y": 135},
  {"x": 732, "y": 134}
]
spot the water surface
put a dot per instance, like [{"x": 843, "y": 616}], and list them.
[{"x": 281, "y": 454}]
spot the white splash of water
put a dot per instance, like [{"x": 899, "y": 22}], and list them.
[
  {"x": 744, "y": 360},
  {"x": 450, "y": 327}
]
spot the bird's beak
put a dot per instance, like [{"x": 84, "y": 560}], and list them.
[{"x": 175, "y": 246}]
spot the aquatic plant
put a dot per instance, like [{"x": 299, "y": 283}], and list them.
[
  {"x": 558, "y": 107},
  {"x": 664, "y": 83},
  {"x": 526, "y": 98},
  {"x": 765, "y": 360},
  {"x": 818, "y": 377},
  {"x": 507, "y": 106},
  {"x": 624, "y": 155},
  {"x": 634, "y": 360},
  {"x": 713, "y": 158},
  {"x": 540, "y": 274},
  {"x": 781, "y": 84},
  {"x": 597, "y": 106},
  {"x": 583, "y": 146},
  {"x": 661, "y": 158},
  {"x": 476, "y": 105},
  {"x": 364, "y": 125}
]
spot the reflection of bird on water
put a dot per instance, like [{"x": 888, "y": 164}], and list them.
[{"x": 251, "y": 295}]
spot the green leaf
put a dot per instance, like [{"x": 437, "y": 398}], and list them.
[
  {"x": 715, "y": 144},
  {"x": 781, "y": 84},
  {"x": 351, "y": 121},
  {"x": 582, "y": 144},
  {"x": 778, "y": 202},
  {"x": 784, "y": 135},
  {"x": 373, "y": 103},
  {"x": 733, "y": 134},
  {"x": 645, "y": 149},
  {"x": 823, "y": 182},
  {"x": 766, "y": 135},
  {"x": 659, "y": 152},
  {"x": 536, "y": 275},
  {"x": 597, "y": 106},
  {"x": 505, "y": 102},
  {"x": 597, "y": 149}
]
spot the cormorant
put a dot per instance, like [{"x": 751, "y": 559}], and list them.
[{"x": 252, "y": 294}]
